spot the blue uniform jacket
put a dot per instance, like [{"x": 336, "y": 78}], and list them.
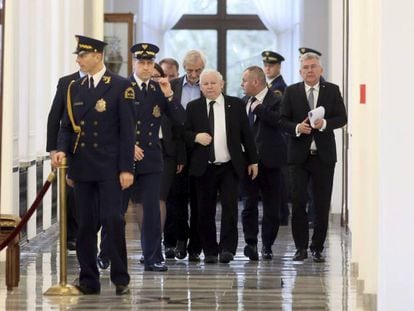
[
  {"x": 105, "y": 145},
  {"x": 148, "y": 112},
  {"x": 278, "y": 85}
]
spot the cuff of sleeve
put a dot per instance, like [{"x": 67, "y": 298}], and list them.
[
  {"x": 323, "y": 126},
  {"x": 297, "y": 130}
]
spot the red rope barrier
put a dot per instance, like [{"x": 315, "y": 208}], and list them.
[{"x": 31, "y": 210}]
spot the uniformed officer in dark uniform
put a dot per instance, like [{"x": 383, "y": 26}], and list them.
[
  {"x": 53, "y": 125},
  {"x": 271, "y": 67},
  {"x": 97, "y": 135},
  {"x": 152, "y": 99}
]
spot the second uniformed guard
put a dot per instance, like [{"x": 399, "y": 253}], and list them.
[
  {"x": 97, "y": 134},
  {"x": 152, "y": 99},
  {"x": 272, "y": 63}
]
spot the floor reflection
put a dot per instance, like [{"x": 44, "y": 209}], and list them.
[{"x": 279, "y": 284}]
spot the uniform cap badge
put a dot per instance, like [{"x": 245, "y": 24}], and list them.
[{"x": 100, "y": 105}]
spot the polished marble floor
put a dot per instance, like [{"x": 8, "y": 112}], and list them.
[{"x": 279, "y": 284}]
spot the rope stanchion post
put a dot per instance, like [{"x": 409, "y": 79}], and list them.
[{"x": 63, "y": 289}]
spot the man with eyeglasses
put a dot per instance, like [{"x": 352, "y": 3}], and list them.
[
  {"x": 186, "y": 89},
  {"x": 311, "y": 151}
]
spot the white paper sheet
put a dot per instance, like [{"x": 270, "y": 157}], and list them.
[{"x": 315, "y": 114}]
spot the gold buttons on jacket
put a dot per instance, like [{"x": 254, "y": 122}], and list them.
[
  {"x": 95, "y": 122},
  {"x": 95, "y": 134},
  {"x": 149, "y": 133},
  {"x": 150, "y": 144},
  {"x": 138, "y": 132},
  {"x": 95, "y": 145},
  {"x": 82, "y": 122},
  {"x": 82, "y": 144},
  {"x": 83, "y": 133}
]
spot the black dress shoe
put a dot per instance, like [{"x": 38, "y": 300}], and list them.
[
  {"x": 210, "y": 259},
  {"x": 317, "y": 256},
  {"x": 300, "y": 255},
  {"x": 102, "y": 262},
  {"x": 250, "y": 251},
  {"x": 225, "y": 257},
  {"x": 141, "y": 259},
  {"x": 267, "y": 253},
  {"x": 86, "y": 290},
  {"x": 194, "y": 257},
  {"x": 71, "y": 245},
  {"x": 170, "y": 252},
  {"x": 157, "y": 267},
  {"x": 181, "y": 249},
  {"x": 122, "y": 290}
]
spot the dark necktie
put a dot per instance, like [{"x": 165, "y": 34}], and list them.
[
  {"x": 211, "y": 155},
  {"x": 251, "y": 114},
  {"x": 311, "y": 99},
  {"x": 144, "y": 88},
  {"x": 91, "y": 84}
]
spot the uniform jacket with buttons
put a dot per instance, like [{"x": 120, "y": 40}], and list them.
[
  {"x": 57, "y": 109},
  {"x": 149, "y": 109},
  {"x": 278, "y": 85},
  {"x": 105, "y": 114}
]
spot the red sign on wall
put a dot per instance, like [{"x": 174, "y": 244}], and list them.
[{"x": 362, "y": 94}]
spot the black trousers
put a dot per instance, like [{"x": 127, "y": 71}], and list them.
[
  {"x": 182, "y": 193},
  {"x": 222, "y": 179},
  {"x": 72, "y": 224},
  {"x": 89, "y": 215},
  {"x": 321, "y": 174},
  {"x": 268, "y": 184}
]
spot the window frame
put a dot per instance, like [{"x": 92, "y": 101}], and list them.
[{"x": 221, "y": 22}]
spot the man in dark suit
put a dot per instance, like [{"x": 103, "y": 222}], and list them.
[
  {"x": 186, "y": 89},
  {"x": 152, "y": 100},
  {"x": 272, "y": 63},
  {"x": 262, "y": 107},
  {"x": 53, "y": 125},
  {"x": 97, "y": 134},
  {"x": 311, "y": 151},
  {"x": 216, "y": 128}
]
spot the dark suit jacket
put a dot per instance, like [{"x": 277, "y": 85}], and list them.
[
  {"x": 172, "y": 142},
  {"x": 270, "y": 144},
  {"x": 57, "y": 109},
  {"x": 295, "y": 109},
  {"x": 237, "y": 130},
  {"x": 106, "y": 117}
]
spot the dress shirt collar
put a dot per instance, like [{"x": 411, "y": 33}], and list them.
[
  {"x": 261, "y": 95},
  {"x": 139, "y": 81},
  {"x": 219, "y": 100},
  {"x": 308, "y": 87},
  {"x": 270, "y": 81},
  {"x": 185, "y": 82},
  {"x": 98, "y": 76}
]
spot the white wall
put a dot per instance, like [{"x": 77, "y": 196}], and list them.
[
  {"x": 396, "y": 149},
  {"x": 38, "y": 45}
]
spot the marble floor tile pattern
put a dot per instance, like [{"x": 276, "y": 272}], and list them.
[{"x": 280, "y": 284}]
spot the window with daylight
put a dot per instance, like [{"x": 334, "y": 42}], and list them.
[{"x": 229, "y": 32}]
